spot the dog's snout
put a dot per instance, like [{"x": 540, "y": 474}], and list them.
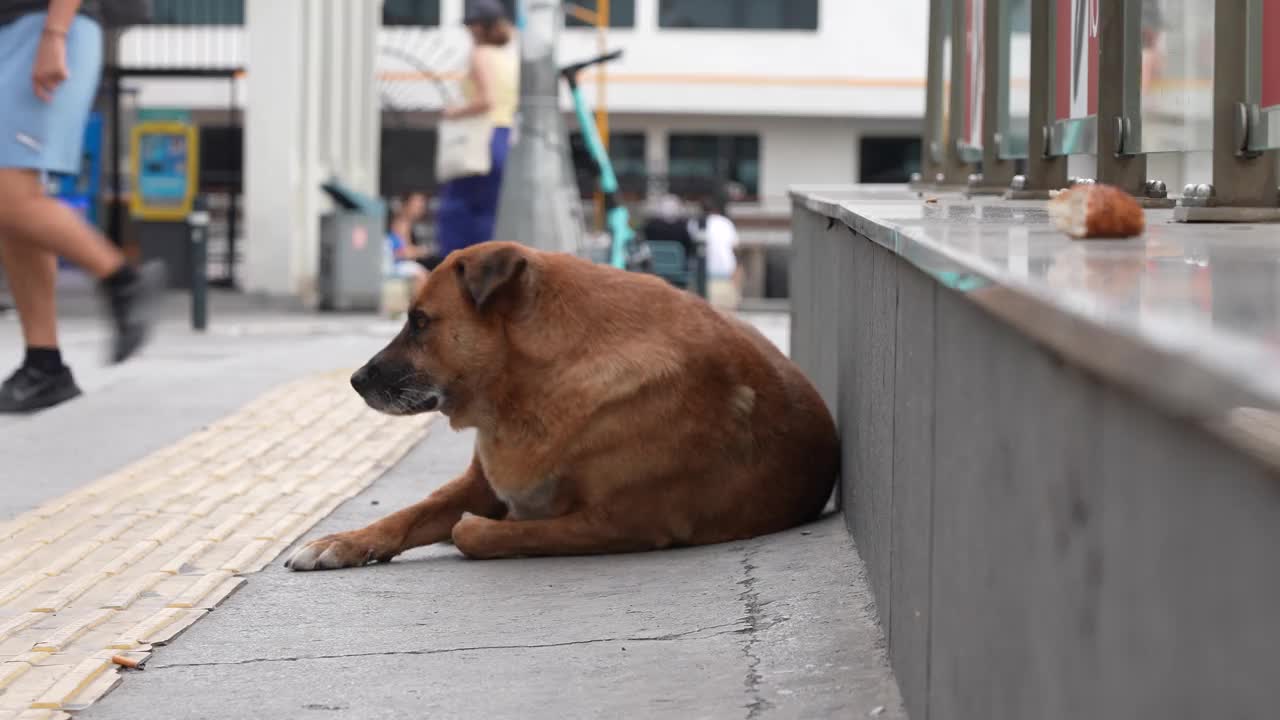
[{"x": 365, "y": 378}]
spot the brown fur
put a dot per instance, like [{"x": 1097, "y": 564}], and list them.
[{"x": 614, "y": 413}]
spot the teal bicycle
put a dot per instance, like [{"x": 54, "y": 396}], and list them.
[{"x": 624, "y": 251}]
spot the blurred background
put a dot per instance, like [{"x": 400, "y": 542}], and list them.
[{"x": 741, "y": 98}]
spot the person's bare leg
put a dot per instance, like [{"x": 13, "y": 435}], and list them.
[
  {"x": 32, "y": 273},
  {"x": 27, "y": 215}
]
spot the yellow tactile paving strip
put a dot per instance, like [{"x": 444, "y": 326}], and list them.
[{"x": 131, "y": 560}]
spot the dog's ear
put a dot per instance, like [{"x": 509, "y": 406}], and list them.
[{"x": 487, "y": 276}]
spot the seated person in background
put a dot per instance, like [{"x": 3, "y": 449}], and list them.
[
  {"x": 668, "y": 224},
  {"x": 407, "y": 258}
]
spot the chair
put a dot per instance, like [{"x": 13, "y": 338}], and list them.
[{"x": 670, "y": 262}]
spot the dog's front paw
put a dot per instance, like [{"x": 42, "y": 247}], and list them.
[
  {"x": 341, "y": 550},
  {"x": 470, "y": 536}
]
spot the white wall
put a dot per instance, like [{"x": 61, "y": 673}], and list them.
[
  {"x": 312, "y": 114},
  {"x": 866, "y": 60}
]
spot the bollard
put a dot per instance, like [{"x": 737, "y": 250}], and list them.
[
  {"x": 700, "y": 268},
  {"x": 198, "y": 222}
]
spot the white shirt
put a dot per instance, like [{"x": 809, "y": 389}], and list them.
[{"x": 722, "y": 238}]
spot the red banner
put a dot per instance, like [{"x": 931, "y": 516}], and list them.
[
  {"x": 1076, "y": 59},
  {"x": 1271, "y": 53}
]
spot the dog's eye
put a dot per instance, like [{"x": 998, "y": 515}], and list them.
[{"x": 419, "y": 320}]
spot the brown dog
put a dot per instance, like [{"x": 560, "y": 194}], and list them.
[{"x": 614, "y": 413}]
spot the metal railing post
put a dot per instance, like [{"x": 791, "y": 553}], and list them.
[
  {"x": 1118, "y": 101},
  {"x": 956, "y": 171},
  {"x": 997, "y": 172},
  {"x": 931, "y": 147},
  {"x": 1245, "y": 183},
  {"x": 1044, "y": 172}
]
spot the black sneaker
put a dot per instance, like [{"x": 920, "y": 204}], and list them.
[
  {"x": 29, "y": 389},
  {"x": 129, "y": 306}
]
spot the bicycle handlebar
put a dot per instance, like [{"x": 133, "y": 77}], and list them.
[{"x": 571, "y": 71}]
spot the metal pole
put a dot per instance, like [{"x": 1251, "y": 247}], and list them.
[
  {"x": 602, "y": 112},
  {"x": 997, "y": 172},
  {"x": 1244, "y": 183},
  {"x": 1045, "y": 172},
  {"x": 956, "y": 171},
  {"x": 932, "y": 146},
  {"x": 1119, "y": 103},
  {"x": 232, "y": 191},
  {"x": 198, "y": 222},
  {"x": 540, "y": 205}
]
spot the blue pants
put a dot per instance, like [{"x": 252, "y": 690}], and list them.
[
  {"x": 36, "y": 135},
  {"x": 469, "y": 206}
]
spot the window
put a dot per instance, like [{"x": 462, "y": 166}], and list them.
[
  {"x": 622, "y": 13},
  {"x": 197, "y": 12},
  {"x": 888, "y": 159},
  {"x": 626, "y": 152},
  {"x": 740, "y": 14},
  {"x": 411, "y": 13},
  {"x": 510, "y": 6},
  {"x": 408, "y": 161},
  {"x": 703, "y": 164}
]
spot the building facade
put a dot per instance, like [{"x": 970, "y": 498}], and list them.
[{"x": 752, "y": 95}]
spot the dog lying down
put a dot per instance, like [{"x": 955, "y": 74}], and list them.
[{"x": 614, "y": 413}]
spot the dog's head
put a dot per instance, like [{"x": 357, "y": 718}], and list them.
[{"x": 454, "y": 344}]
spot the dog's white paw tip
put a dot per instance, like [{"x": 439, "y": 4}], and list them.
[
  {"x": 304, "y": 559},
  {"x": 330, "y": 559}
]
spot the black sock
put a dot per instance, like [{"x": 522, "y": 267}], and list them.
[
  {"x": 124, "y": 277},
  {"x": 47, "y": 360}
]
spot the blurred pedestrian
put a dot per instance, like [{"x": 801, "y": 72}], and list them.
[
  {"x": 724, "y": 277},
  {"x": 469, "y": 205},
  {"x": 50, "y": 65}
]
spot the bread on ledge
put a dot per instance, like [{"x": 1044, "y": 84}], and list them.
[{"x": 1097, "y": 211}]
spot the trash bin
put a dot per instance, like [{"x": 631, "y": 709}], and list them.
[{"x": 352, "y": 250}]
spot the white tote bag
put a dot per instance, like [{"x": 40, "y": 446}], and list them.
[{"x": 462, "y": 147}]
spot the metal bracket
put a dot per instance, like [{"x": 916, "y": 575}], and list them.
[
  {"x": 1124, "y": 133},
  {"x": 1201, "y": 195},
  {"x": 1248, "y": 117}
]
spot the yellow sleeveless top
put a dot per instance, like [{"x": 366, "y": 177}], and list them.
[{"x": 504, "y": 71}]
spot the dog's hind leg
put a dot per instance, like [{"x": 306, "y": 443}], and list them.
[
  {"x": 577, "y": 533},
  {"x": 423, "y": 523}
]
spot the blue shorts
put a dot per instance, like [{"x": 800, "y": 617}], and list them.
[{"x": 35, "y": 134}]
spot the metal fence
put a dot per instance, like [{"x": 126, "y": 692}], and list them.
[{"x": 1021, "y": 90}]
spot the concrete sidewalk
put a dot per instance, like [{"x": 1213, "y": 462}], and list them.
[{"x": 781, "y": 626}]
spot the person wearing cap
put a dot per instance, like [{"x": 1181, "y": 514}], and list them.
[{"x": 469, "y": 205}]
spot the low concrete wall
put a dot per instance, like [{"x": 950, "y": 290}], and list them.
[{"x": 1041, "y": 544}]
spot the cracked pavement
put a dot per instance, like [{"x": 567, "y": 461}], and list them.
[
  {"x": 780, "y": 626},
  {"x": 776, "y": 627}
]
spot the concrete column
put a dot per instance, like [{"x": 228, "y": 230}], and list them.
[
  {"x": 655, "y": 149},
  {"x": 312, "y": 113},
  {"x": 647, "y": 15},
  {"x": 452, "y": 12}
]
